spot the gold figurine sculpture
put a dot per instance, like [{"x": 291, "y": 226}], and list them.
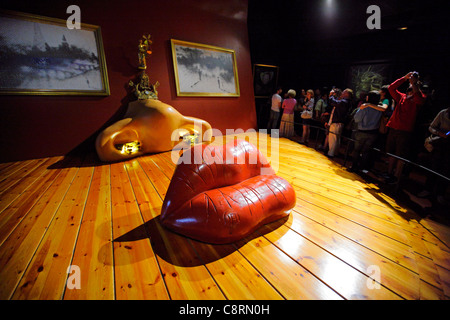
[
  {"x": 144, "y": 50},
  {"x": 149, "y": 125},
  {"x": 143, "y": 89}
]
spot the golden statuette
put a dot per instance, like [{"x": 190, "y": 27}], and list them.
[
  {"x": 144, "y": 50},
  {"x": 142, "y": 88}
]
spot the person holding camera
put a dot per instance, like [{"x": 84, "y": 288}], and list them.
[{"x": 401, "y": 124}]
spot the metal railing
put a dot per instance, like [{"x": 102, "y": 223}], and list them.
[{"x": 405, "y": 161}]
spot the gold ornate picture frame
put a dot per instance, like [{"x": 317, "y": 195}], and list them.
[
  {"x": 42, "y": 56},
  {"x": 204, "y": 71}
]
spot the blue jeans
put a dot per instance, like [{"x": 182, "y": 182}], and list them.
[{"x": 273, "y": 119}]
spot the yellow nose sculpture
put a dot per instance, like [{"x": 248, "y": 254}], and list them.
[{"x": 149, "y": 126}]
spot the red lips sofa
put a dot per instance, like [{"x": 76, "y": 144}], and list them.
[{"x": 221, "y": 194}]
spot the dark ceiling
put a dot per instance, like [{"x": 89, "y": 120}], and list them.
[
  {"x": 325, "y": 19},
  {"x": 316, "y": 40}
]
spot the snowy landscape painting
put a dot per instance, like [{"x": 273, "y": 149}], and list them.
[
  {"x": 203, "y": 70},
  {"x": 42, "y": 56}
]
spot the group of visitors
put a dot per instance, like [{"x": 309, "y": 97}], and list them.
[{"x": 385, "y": 115}]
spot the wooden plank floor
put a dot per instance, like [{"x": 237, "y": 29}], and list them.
[{"x": 345, "y": 238}]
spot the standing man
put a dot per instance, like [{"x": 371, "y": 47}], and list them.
[
  {"x": 367, "y": 119},
  {"x": 275, "y": 110},
  {"x": 341, "y": 106},
  {"x": 401, "y": 124}
]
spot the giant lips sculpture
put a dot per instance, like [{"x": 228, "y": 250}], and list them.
[{"x": 221, "y": 194}]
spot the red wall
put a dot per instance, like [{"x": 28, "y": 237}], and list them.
[{"x": 36, "y": 126}]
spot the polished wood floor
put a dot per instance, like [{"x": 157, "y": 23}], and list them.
[{"x": 345, "y": 238}]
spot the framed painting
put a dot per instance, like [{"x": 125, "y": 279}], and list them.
[
  {"x": 42, "y": 56},
  {"x": 265, "y": 80},
  {"x": 203, "y": 70},
  {"x": 366, "y": 76}
]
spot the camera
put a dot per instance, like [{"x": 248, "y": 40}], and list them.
[{"x": 415, "y": 74}]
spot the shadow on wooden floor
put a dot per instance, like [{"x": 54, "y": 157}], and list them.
[{"x": 179, "y": 250}]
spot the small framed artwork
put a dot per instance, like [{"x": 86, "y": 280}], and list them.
[
  {"x": 265, "y": 80},
  {"x": 42, "y": 56},
  {"x": 366, "y": 76},
  {"x": 204, "y": 71}
]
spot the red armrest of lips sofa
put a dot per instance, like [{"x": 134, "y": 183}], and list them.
[{"x": 221, "y": 194}]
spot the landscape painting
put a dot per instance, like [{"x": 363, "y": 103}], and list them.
[
  {"x": 42, "y": 56},
  {"x": 203, "y": 70}
]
